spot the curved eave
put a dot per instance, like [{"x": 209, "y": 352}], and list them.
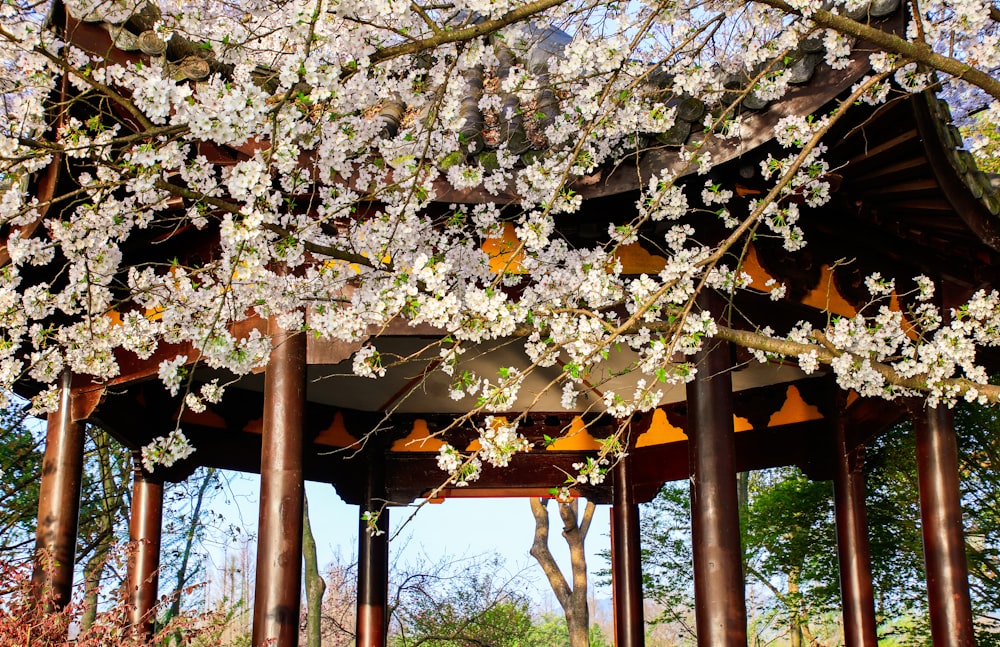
[
  {"x": 635, "y": 172},
  {"x": 121, "y": 42},
  {"x": 911, "y": 195},
  {"x": 966, "y": 188}
]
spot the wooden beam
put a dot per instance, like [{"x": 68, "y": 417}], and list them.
[
  {"x": 948, "y": 599},
  {"x": 854, "y": 557},
  {"x": 626, "y": 564},
  {"x": 720, "y": 606},
  {"x": 144, "y": 532},
  {"x": 279, "y": 549},
  {"x": 58, "y": 504}
]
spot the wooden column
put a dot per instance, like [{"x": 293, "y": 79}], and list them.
[
  {"x": 59, "y": 504},
  {"x": 144, "y": 534},
  {"x": 720, "y": 605},
  {"x": 279, "y": 548},
  {"x": 944, "y": 543},
  {"x": 854, "y": 557},
  {"x": 373, "y": 561},
  {"x": 626, "y": 565}
]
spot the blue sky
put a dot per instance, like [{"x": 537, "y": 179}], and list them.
[{"x": 457, "y": 528}]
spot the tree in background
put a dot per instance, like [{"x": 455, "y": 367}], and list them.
[
  {"x": 894, "y": 532},
  {"x": 187, "y": 521},
  {"x": 979, "y": 449},
  {"x": 571, "y": 595},
  {"x": 789, "y": 556},
  {"x": 313, "y": 582},
  {"x": 450, "y": 602},
  {"x": 104, "y": 503},
  {"x": 667, "y": 581},
  {"x": 455, "y": 603},
  {"x": 104, "y": 514},
  {"x": 20, "y": 464},
  {"x": 790, "y": 548},
  {"x": 22, "y": 626},
  {"x": 894, "y": 521},
  {"x": 790, "y": 543},
  {"x": 551, "y": 630},
  {"x": 339, "y": 614}
]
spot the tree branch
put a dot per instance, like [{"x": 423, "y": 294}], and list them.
[
  {"x": 466, "y": 33},
  {"x": 825, "y": 355},
  {"x": 588, "y": 516},
  {"x": 326, "y": 250},
  {"x": 918, "y": 52}
]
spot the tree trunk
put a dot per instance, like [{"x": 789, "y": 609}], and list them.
[
  {"x": 92, "y": 573},
  {"x": 112, "y": 504},
  {"x": 743, "y": 498},
  {"x": 572, "y": 600},
  {"x": 743, "y": 493},
  {"x": 315, "y": 586},
  {"x": 794, "y": 610}
]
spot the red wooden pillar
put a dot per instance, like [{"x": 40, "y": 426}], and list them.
[
  {"x": 59, "y": 504},
  {"x": 144, "y": 559},
  {"x": 626, "y": 565},
  {"x": 373, "y": 561},
  {"x": 279, "y": 548},
  {"x": 944, "y": 543},
  {"x": 720, "y": 604},
  {"x": 854, "y": 557}
]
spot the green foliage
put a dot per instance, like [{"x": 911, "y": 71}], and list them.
[
  {"x": 473, "y": 603},
  {"x": 666, "y": 556},
  {"x": 986, "y": 143},
  {"x": 894, "y": 537},
  {"x": 979, "y": 457},
  {"x": 461, "y": 622},
  {"x": 789, "y": 540},
  {"x": 470, "y": 604},
  {"x": 550, "y": 630},
  {"x": 20, "y": 465}
]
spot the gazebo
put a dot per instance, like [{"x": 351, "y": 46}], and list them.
[{"x": 907, "y": 199}]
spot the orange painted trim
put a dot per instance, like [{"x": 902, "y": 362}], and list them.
[
  {"x": 660, "y": 431},
  {"x": 794, "y": 409},
  {"x": 576, "y": 438},
  {"x": 336, "y": 435},
  {"x": 501, "y": 250},
  {"x": 418, "y": 440}
]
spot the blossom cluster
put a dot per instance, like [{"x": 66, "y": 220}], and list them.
[
  {"x": 343, "y": 134},
  {"x": 166, "y": 450}
]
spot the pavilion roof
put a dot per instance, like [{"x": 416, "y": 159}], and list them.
[
  {"x": 909, "y": 195},
  {"x": 121, "y": 31}
]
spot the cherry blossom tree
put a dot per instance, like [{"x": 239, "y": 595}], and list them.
[{"x": 409, "y": 163}]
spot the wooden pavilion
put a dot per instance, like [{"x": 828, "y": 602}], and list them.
[{"x": 907, "y": 200}]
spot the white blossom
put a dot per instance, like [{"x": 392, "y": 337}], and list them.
[{"x": 166, "y": 450}]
